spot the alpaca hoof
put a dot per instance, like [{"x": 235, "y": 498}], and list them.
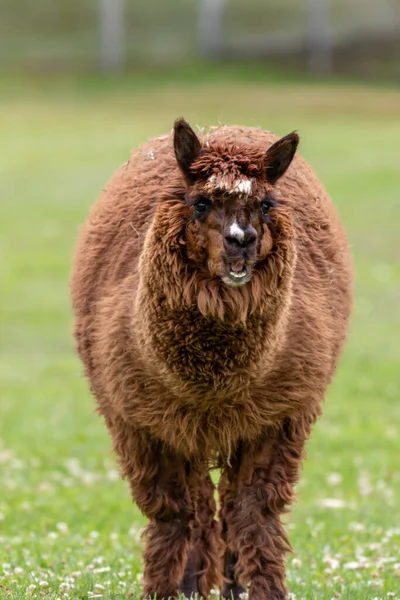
[
  {"x": 263, "y": 594},
  {"x": 233, "y": 592},
  {"x": 159, "y": 595}
]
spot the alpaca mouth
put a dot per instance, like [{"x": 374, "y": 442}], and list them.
[{"x": 236, "y": 275}]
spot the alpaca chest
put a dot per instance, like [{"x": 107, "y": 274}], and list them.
[{"x": 205, "y": 351}]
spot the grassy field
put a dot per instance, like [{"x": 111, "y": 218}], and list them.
[{"x": 67, "y": 526}]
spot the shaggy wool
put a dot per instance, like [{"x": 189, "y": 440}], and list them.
[{"x": 192, "y": 371}]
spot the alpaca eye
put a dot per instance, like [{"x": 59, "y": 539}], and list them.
[
  {"x": 201, "y": 207},
  {"x": 265, "y": 207}
]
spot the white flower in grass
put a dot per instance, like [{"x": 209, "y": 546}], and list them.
[
  {"x": 31, "y": 588},
  {"x": 102, "y": 570},
  {"x": 364, "y": 484},
  {"x": 334, "y": 479},
  {"x": 64, "y": 587},
  {"x": 44, "y": 584},
  {"x": 243, "y": 596},
  {"x": 18, "y": 571},
  {"x": 214, "y": 592},
  {"x": 356, "y": 527},
  {"x": 352, "y": 565},
  {"x": 113, "y": 475},
  {"x": 63, "y": 527},
  {"x": 296, "y": 563},
  {"x": 332, "y": 562},
  {"x": 333, "y": 503},
  {"x": 375, "y": 582},
  {"x": 135, "y": 532}
]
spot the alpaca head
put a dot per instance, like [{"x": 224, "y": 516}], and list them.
[{"x": 234, "y": 216}]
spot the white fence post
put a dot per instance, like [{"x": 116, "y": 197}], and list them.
[
  {"x": 112, "y": 35},
  {"x": 319, "y": 36},
  {"x": 210, "y": 27}
]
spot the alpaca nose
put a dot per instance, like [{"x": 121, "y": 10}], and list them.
[{"x": 242, "y": 237}]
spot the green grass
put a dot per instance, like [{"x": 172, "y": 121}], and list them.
[{"x": 67, "y": 523}]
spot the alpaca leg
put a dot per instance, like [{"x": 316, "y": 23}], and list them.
[
  {"x": 189, "y": 586},
  {"x": 203, "y": 569},
  {"x": 257, "y": 491},
  {"x": 231, "y": 589},
  {"x": 160, "y": 486}
]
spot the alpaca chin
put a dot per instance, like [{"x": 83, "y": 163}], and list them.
[{"x": 234, "y": 279}]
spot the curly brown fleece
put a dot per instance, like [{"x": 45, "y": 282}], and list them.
[{"x": 190, "y": 373}]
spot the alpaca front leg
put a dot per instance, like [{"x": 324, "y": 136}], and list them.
[
  {"x": 166, "y": 501},
  {"x": 203, "y": 569},
  {"x": 160, "y": 486},
  {"x": 231, "y": 589},
  {"x": 167, "y": 545},
  {"x": 257, "y": 491}
]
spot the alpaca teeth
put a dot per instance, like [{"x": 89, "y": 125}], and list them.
[{"x": 238, "y": 275}]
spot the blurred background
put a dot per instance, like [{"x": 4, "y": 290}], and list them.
[
  {"x": 346, "y": 36},
  {"x": 81, "y": 85}
]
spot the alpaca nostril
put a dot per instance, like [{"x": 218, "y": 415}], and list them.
[
  {"x": 233, "y": 241},
  {"x": 250, "y": 236}
]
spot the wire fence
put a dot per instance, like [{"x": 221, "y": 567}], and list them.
[{"x": 363, "y": 35}]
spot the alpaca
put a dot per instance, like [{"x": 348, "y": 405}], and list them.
[{"x": 211, "y": 289}]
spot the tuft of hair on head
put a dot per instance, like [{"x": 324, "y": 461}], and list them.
[
  {"x": 187, "y": 148},
  {"x": 279, "y": 156}
]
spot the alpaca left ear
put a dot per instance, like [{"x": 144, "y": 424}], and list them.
[
  {"x": 186, "y": 146},
  {"x": 279, "y": 156}
]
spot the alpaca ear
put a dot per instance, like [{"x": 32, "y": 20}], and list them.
[
  {"x": 186, "y": 146},
  {"x": 279, "y": 156}
]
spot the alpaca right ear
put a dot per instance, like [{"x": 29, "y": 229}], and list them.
[{"x": 186, "y": 146}]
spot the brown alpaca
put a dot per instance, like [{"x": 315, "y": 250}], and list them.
[{"x": 211, "y": 290}]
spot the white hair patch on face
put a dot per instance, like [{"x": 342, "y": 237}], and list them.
[
  {"x": 242, "y": 186},
  {"x": 236, "y": 232}
]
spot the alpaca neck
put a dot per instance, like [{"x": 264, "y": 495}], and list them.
[{"x": 185, "y": 339}]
